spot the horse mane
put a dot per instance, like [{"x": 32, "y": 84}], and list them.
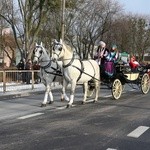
[
  {"x": 44, "y": 49},
  {"x": 68, "y": 47}
]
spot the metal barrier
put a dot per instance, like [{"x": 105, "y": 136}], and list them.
[{"x": 14, "y": 78}]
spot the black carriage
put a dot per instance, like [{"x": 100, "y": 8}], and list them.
[{"x": 123, "y": 74}]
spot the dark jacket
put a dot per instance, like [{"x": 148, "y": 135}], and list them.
[{"x": 21, "y": 65}]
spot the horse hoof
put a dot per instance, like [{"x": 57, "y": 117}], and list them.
[
  {"x": 94, "y": 101},
  {"x": 51, "y": 102},
  {"x": 83, "y": 103},
  {"x": 62, "y": 99},
  {"x": 43, "y": 105},
  {"x": 68, "y": 106}
]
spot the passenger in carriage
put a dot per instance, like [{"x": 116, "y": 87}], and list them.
[
  {"x": 100, "y": 56},
  {"x": 133, "y": 63},
  {"x": 101, "y": 53},
  {"x": 106, "y": 58},
  {"x": 111, "y": 60}
]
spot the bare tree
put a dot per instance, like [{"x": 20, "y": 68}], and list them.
[
  {"x": 8, "y": 45},
  {"x": 132, "y": 34},
  {"x": 25, "y": 19},
  {"x": 90, "y": 23}
]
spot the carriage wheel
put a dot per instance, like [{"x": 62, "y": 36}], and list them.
[
  {"x": 145, "y": 83},
  {"x": 116, "y": 89}
]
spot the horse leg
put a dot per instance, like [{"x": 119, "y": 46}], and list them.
[
  {"x": 45, "y": 100},
  {"x": 97, "y": 87},
  {"x": 64, "y": 95},
  {"x": 45, "y": 97},
  {"x": 72, "y": 92},
  {"x": 85, "y": 92},
  {"x": 51, "y": 96}
]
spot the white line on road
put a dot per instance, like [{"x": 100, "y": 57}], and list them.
[
  {"x": 62, "y": 107},
  {"x": 111, "y": 149},
  {"x": 138, "y": 131},
  {"x": 132, "y": 90},
  {"x": 108, "y": 96},
  {"x": 31, "y": 115}
]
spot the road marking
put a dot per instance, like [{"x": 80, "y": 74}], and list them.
[
  {"x": 138, "y": 131},
  {"x": 31, "y": 115},
  {"x": 132, "y": 90},
  {"x": 108, "y": 96},
  {"x": 111, "y": 149},
  {"x": 62, "y": 107}
]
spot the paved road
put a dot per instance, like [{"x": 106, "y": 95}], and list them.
[{"x": 106, "y": 125}]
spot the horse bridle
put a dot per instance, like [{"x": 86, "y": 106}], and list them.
[
  {"x": 40, "y": 52},
  {"x": 60, "y": 49}
]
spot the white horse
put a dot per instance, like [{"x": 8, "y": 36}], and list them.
[
  {"x": 50, "y": 71},
  {"x": 76, "y": 71}
]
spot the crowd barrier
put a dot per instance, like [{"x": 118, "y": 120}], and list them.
[{"x": 10, "y": 80}]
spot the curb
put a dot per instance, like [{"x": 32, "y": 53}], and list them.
[{"x": 19, "y": 94}]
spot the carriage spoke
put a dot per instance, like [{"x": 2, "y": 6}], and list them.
[
  {"x": 145, "y": 83},
  {"x": 116, "y": 89}
]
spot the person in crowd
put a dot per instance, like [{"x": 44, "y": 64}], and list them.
[
  {"x": 21, "y": 66},
  {"x": 28, "y": 73},
  {"x": 36, "y": 66},
  {"x": 133, "y": 63}
]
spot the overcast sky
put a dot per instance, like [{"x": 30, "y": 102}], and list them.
[{"x": 136, "y": 6}]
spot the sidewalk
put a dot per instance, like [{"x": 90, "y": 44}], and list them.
[{"x": 14, "y": 91}]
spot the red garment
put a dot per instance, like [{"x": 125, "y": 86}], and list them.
[{"x": 133, "y": 63}]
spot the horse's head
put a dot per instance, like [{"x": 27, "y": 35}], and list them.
[
  {"x": 58, "y": 50},
  {"x": 38, "y": 53}
]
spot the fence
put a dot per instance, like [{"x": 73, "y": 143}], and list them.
[{"x": 12, "y": 79}]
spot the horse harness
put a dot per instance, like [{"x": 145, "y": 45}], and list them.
[
  {"x": 72, "y": 59},
  {"x": 56, "y": 71},
  {"x": 80, "y": 69}
]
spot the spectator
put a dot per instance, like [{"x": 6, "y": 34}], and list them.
[
  {"x": 28, "y": 73},
  {"x": 36, "y": 66},
  {"x": 21, "y": 66}
]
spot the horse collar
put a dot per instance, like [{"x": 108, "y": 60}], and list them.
[{"x": 48, "y": 65}]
